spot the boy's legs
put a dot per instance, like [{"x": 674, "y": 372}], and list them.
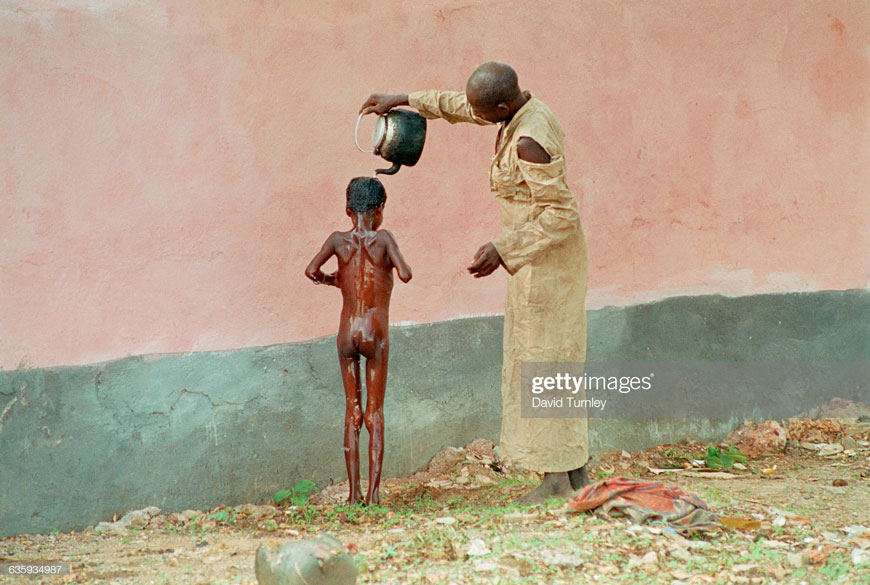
[
  {"x": 376, "y": 383},
  {"x": 353, "y": 418}
]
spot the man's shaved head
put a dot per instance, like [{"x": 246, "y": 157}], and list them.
[{"x": 492, "y": 83}]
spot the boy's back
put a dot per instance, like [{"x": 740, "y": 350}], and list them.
[
  {"x": 365, "y": 277},
  {"x": 365, "y": 272}
]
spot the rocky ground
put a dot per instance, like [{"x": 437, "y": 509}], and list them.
[{"x": 802, "y": 501}]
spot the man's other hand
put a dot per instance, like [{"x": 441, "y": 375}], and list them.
[
  {"x": 381, "y": 103},
  {"x": 486, "y": 261}
]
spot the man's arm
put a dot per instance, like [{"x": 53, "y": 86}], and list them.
[
  {"x": 448, "y": 105},
  {"x": 488, "y": 257},
  {"x": 530, "y": 151},
  {"x": 381, "y": 103},
  {"x": 485, "y": 261},
  {"x": 313, "y": 270},
  {"x": 402, "y": 268}
]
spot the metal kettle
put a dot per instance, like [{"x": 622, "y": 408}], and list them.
[{"x": 398, "y": 137}]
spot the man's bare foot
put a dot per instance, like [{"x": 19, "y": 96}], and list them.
[
  {"x": 579, "y": 477},
  {"x": 554, "y": 485}
]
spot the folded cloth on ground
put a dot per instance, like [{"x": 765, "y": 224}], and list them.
[{"x": 645, "y": 502}]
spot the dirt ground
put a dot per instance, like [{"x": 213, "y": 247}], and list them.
[{"x": 807, "y": 511}]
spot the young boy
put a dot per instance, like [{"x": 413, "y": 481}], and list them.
[{"x": 366, "y": 258}]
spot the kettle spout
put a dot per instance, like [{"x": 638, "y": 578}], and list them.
[{"x": 390, "y": 171}]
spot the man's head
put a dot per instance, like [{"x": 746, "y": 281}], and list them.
[
  {"x": 365, "y": 195},
  {"x": 493, "y": 91}
]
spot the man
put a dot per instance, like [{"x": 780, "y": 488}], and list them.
[{"x": 542, "y": 248}]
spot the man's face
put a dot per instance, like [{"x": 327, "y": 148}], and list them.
[{"x": 492, "y": 114}]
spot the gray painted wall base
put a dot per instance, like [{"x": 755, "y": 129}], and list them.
[{"x": 79, "y": 444}]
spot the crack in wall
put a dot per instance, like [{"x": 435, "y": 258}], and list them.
[
  {"x": 20, "y": 397},
  {"x": 6, "y": 412},
  {"x": 207, "y": 397}
]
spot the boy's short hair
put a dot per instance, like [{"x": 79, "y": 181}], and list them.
[{"x": 365, "y": 194}]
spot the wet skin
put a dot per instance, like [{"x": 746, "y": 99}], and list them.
[{"x": 366, "y": 258}]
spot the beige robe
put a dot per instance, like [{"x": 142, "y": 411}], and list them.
[{"x": 544, "y": 251}]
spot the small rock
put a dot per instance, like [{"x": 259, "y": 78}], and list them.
[
  {"x": 855, "y": 531},
  {"x": 681, "y": 554},
  {"x": 817, "y": 557},
  {"x": 158, "y": 520},
  {"x": 519, "y": 517},
  {"x": 779, "y": 521},
  {"x": 447, "y": 520},
  {"x": 650, "y": 558},
  {"x": 849, "y": 443},
  {"x": 265, "y": 511},
  {"x": 245, "y": 509},
  {"x": 814, "y": 431},
  {"x": 561, "y": 559},
  {"x": 191, "y": 514},
  {"x": 484, "y": 565},
  {"x": 830, "y": 449},
  {"x": 860, "y": 556},
  {"x": 336, "y": 494},
  {"x": 141, "y": 517},
  {"x": 481, "y": 449},
  {"x": 779, "y": 573},
  {"x": 742, "y": 568},
  {"x": 768, "y": 438},
  {"x": 477, "y": 548},
  {"x": 797, "y": 560},
  {"x": 446, "y": 460},
  {"x": 111, "y": 528}
]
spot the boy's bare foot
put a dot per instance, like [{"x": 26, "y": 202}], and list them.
[
  {"x": 554, "y": 485},
  {"x": 579, "y": 477},
  {"x": 354, "y": 497}
]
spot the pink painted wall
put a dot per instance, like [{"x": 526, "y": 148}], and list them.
[{"x": 169, "y": 167}]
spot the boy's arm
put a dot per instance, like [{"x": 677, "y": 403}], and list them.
[
  {"x": 395, "y": 255},
  {"x": 313, "y": 270}
]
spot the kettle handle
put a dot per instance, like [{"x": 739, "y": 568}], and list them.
[{"x": 356, "y": 138}]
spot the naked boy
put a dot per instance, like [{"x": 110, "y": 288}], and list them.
[{"x": 366, "y": 258}]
